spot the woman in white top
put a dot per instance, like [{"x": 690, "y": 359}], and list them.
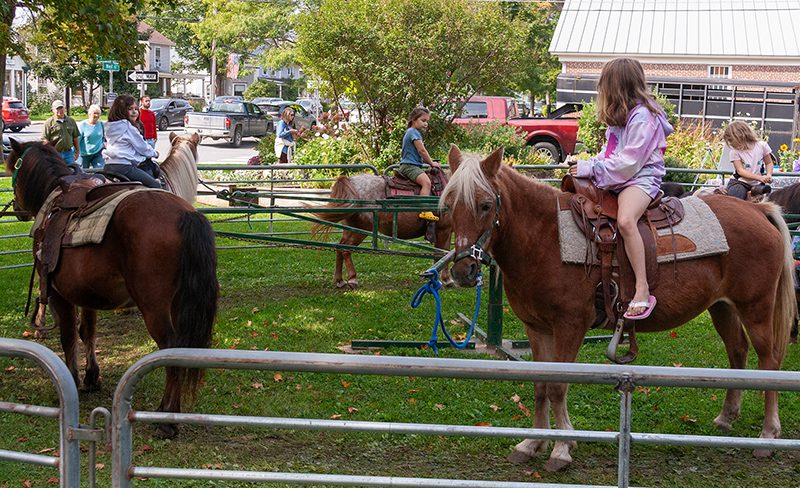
[{"x": 126, "y": 148}]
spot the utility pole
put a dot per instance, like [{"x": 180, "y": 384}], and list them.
[{"x": 213, "y": 68}]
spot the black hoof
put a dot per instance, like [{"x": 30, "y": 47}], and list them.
[{"x": 166, "y": 431}]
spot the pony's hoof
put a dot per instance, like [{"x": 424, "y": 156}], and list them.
[
  {"x": 40, "y": 334},
  {"x": 556, "y": 464},
  {"x": 90, "y": 387},
  {"x": 519, "y": 457},
  {"x": 352, "y": 284},
  {"x": 762, "y": 453},
  {"x": 723, "y": 424},
  {"x": 166, "y": 431},
  {"x": 340, "y": 284}
]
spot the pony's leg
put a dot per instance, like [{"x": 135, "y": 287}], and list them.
[
  {"x": 65, "y": 319},
  {"x": 351, "y": 239},
  {"x": 530, "y": 448},
  {"x": 757, "y": 317},
  {"x": 91, "y": 381},
  {"x": 730, "y": 330},
  {"x": 337, "y": 274}
]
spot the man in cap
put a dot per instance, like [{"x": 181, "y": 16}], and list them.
[{"x": 61, "y": 132}]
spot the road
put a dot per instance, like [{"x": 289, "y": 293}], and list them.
[{"x": 209, "y": 151}]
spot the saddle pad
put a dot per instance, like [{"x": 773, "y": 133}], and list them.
[
  {"x": 699, "y": 234},
  {"x": 90, "y": 228}
]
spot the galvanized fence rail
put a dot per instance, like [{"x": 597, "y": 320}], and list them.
[{"x": 624, "y": 378}]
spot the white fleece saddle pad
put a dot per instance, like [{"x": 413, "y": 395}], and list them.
[{"x": 699, "y": 225}]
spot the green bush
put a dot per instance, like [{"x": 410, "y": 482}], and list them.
[
  {"x": 485, "y": 138},
  {"x": 39, "y": 103}
]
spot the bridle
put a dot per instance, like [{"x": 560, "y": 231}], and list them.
[
  {"x": 17, "y": 166},
  {"x": 476, "y": 251}
]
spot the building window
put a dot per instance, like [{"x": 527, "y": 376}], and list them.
[
  {"x": 719, "y": 72},
  {"x": 157, "y": 58},
  {"x": 289, "y": 71}
]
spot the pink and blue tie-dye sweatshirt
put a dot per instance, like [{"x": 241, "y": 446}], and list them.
[{"x": 633, "y": 154}]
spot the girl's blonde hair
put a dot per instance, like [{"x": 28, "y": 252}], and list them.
[
  {"x": 740, "y": 136},
  {"x": 417, "y": 113},
  {"x": 620, "y": 88}
]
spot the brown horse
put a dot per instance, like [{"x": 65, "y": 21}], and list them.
[
  {"x": 371, "y": 187},
  {"x": 556, "y": 300},
  {"x": 157, "y": 254}
]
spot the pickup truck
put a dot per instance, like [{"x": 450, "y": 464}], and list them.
[
  {"x": 230, "y": 120},
  {"x": 554, "y": 136}
]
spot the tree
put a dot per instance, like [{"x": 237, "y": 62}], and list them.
[
  {"x": 77, "y": 29},
  {"x": 393, "y": 55},
  {"x": 541, "y": 68}
]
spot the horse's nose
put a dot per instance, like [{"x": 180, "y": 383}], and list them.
[{"x": 465, "y": 272}]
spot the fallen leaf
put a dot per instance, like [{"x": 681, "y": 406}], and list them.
[
  {"x": 412, "y": 401},
  {"x": 516, "y": 417},
  {"x": 254, "y": 348},
  {"x": 249, "y": 323},
  {"x": 277, "y": 377},
  {"x": 27, "y": 333},
  {"x": 714, "y": 396},
  {"x": 212, "y": 466},
  {"x": 524, "y": 409},
  {"x": 352, "y": 409},
  {"x": 674, "y": 334},
  {"x": 482, "y": 424},
  {"x": 46, "y": 450},
  {"x": 99, "y": 466},
  {"x": 345, "y": 384},
  {"x": 515, "y": 398},
  {"x": 53, "y": 480},
  {"x": 22, "y": 439},
  {"x": 336, "y": 416},
  {"x": 677, "y": 365},
  {"x": 255, "y": 310},
  {"x": 686, "y": 418},
  {"x": 27, "y": 484},
  {"x": 274, "y": 335},
  {"x": 439, "y": 406},
  {"x": 257, "y": 385},
  {"x": 494, "y": 407},
  {"x": 412, "y": 390},
  {"x": 10, "y": 369},
  {"x": 254, "y": 334}
]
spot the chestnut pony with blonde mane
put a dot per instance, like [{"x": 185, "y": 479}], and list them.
[
  {"x": 180, "y": 166},
  {"x": 556, "y": 300},
  {"x": 157, "y": 254}
]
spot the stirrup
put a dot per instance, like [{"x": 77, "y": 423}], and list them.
[{"x": 428, "y": 216}]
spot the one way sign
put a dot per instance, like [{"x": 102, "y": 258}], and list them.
[{"x": 141, "y": 76}]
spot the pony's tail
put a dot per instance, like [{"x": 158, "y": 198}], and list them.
[
  {"x": 195, "y": 305},
  {"x": 342, "y": 189},
  {"x": 785, "y": 301}
]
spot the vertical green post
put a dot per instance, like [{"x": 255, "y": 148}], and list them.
[{"x": 494, "y": 332}]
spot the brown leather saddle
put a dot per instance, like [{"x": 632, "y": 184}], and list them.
[
  {"x": 399, "y": 185},
  {"x": 80, "y": 195},
  {"x": 595, "y": 212}
]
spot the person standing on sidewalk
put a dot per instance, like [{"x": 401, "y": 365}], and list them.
[
  {"x": 148, "y": 120},
  {"x": 61, "y": 132},
  {"x": 93, "y": 136}
]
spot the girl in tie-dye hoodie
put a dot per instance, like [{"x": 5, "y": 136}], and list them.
[{"x": 632, "y": 161}]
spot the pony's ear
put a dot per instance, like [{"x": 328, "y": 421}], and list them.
[
  {"x": 172, "y": 137},
  {"x": 492, "y": 163},
  {"x": 15, "y": 146},
  {"x": 195, "y": 138},
  {"x": 453, "y": 158}
]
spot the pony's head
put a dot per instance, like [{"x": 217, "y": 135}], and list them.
[
  {"x": 189, "y": 142},
  {"x": 35, "y": 170},
  {"x": 474, "y": 204}
]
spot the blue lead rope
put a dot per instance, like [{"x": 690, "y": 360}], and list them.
[{"x": 432, "y": 287}]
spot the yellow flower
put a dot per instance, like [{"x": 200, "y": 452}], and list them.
[
  {"x": 784, "y": 147},
  {"x": 796, "y": 139}
]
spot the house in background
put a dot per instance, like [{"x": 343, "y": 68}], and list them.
[
  {"x": 236, "y": 83},
  {"x": 687, "y": 48}
]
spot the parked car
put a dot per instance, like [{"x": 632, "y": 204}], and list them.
[
  {"x": 232, "y": 120},
  {"x": 16, "y": 116},
  {"x": 310, "y": 105},
  {"x": 267, "y": 100},
  {"x": 169, "y": 111},
  {"x": 554, "y": 136},
  {"x": 302, "y": 117}
]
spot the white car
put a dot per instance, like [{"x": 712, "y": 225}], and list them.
[{"x": 310, "y": 105}]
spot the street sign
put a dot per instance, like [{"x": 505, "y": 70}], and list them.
[
  {"x": 141, "y": 76},
  {"x": 110, "y": 97},
  {"x": 110, "y": 66}
]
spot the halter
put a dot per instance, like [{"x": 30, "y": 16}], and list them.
[
  {"x": 17, "y": 166},
  {"x": 476, "y": 251}
]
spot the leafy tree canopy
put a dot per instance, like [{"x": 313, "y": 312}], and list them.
[{"x": 393, "y": 55}]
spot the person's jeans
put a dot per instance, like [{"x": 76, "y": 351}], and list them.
[
  {"x": 133, "y": 174},
  {"x": 93, "y": 160},
  {"x": 152, "y": 142},
  {"x": 68, "y": 156}
]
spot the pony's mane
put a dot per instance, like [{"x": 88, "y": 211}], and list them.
[
  {"x": 465, "y": 182},
  {"x": 180, "y": 167}
]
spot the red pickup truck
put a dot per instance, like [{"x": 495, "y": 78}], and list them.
[{"x": 554, "y": 136}]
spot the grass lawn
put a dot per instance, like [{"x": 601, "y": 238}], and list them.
[{"x": 283, "y": 299}]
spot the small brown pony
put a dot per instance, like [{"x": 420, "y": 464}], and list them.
[
  {"x": 372, "y": 187},
  {"x": 556, "y": 300},
  {"x": 157, "y": 254}
]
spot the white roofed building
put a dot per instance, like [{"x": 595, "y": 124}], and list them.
[{"x": 733, "y": 39}]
